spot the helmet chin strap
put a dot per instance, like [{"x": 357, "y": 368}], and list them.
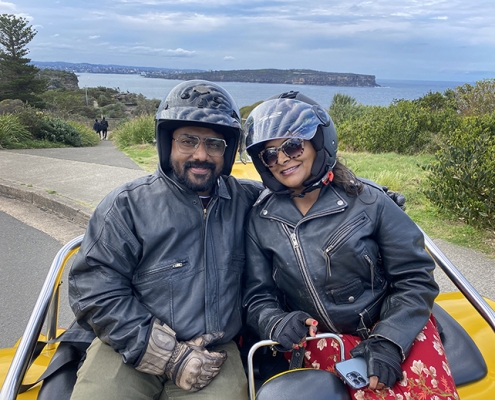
[{"x": 318, "y": 174}]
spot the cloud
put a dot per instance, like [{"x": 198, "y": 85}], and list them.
[
  {"x": 94, "y": 37},
  {"x": 229, "y": 58}
]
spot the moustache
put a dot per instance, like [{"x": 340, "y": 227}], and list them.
[{"x": 199, "y": 164}]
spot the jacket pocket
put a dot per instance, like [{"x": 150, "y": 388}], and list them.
[
  {"x": 170, "y": 269},
  {"x": 348, "y": 293}
]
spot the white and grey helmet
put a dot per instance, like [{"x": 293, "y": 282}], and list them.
[{"x": 291, "y": 115}]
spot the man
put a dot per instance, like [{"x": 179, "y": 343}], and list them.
[
  {"x": 104, "y": 128},
  {"x": 158, "y": 275}
]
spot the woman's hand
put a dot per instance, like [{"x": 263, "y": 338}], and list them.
[
  {"x": 292, "y": 330},
  {"x": 383, "y": 359}
]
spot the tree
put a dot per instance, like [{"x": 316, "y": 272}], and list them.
[{"x": 17, "y": 78}]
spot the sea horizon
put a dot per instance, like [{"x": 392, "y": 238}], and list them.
[{"x": 247, "y": 94}]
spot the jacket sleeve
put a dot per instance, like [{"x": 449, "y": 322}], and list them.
[
  {"x": 261, "y": 296},
  {"x": 409, "y": 270},
  {"x": 100, "y": 284}
]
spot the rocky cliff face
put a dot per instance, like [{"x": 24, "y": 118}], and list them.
[
  {"x": 294, "y": 76},
  {"x": 59, "y": 79}
]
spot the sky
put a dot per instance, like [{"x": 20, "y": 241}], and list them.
[{"x": 446, "y": 40}]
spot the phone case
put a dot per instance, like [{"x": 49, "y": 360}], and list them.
[{"x": 354, "y": 372}]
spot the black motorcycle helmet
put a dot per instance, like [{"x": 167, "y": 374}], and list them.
[
  {"x": 290, "y": 115},
  {"x": 198, "y": 103}
]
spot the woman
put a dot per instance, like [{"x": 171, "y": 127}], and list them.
[{"x": 328, "y": 249}]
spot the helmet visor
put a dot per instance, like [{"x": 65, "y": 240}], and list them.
[{"x": 283, "y": 118}]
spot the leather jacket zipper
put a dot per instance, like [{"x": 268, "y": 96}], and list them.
[
  {"x": 372, "y": 271},
  {"x": 307, "y": 279}
]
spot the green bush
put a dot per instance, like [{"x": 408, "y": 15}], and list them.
[
  {"x": 88, "y": 136},
  {"x": 140, "y": 130},
  {"x": 404, "y": 127},
  {"x": 462, "y": 178},
  {"x": 12, "y": 133},
  {"x": 345, "y": 108},
  {"x": 116, "y": 110},
  {"x": 58, "y": 130},
  {"x": 31, "y": 118}
]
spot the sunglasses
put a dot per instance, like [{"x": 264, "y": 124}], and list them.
[
  {"x": 188, "y": 144},
  {"x": 292, "y": 148}
]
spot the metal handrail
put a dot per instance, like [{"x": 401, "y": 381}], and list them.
[
  {"x": 48, "y": 295},
  {"x": 263, "y": 343},
  {"x": 469, "y": 292}
]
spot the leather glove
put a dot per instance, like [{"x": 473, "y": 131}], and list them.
[
  {"x": 187, "y": 364},
  {"x": 290, "y": 330},
  {"x": 192, "y": 367},
  {"x": 398, "y": 198},
  {"x": 383, "y": 359}
]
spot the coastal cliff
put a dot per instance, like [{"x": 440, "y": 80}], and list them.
[{"x": 291, "y": 76}]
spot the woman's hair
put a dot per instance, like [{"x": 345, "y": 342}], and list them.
[{"x": 345, "y": 178}]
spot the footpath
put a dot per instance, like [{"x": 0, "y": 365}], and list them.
[
  {"x": 72, "y": 181},
  {"x": 67, "y": 181}
]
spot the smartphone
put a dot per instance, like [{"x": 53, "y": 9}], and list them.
[{"x": 354, "y": 372}]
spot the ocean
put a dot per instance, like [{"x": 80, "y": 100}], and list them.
[{"x": 246, "y": 94}]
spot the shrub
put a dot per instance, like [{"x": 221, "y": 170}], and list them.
[
  {"x": 140, "y": 130},
  {"x": 9, "y": 106},
  {"x": 88, "y": 135},
  {"x": 116, "y": 110},
  {"x": 31, "y": 118},
  {"x": 474, "y": 100},
  {"x": 58, "y": 130},
  {"x": 462, "y": 178},
  {"x": 345, "y": 108},
  {"x": 12, "y": 133}
]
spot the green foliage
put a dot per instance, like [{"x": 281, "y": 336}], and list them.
[
  {"x": 88, "y": 135},
  {"x": 66, "y": 103},
  {"x": 17, "y": 78},
  {"x": 404, "y": 127},
  {"x": 9, "y": 106},
  {"x": 140, "y": 130},
  {"x": 116, "y": 110},
  {"x": 12, "y": 132},
  {"x": 462, "y": 179},
  {"x": 246, "y": 110},
  {"x": 58, "y": 130},
  {"x": 31, "y": 118},
  {"x": 345, "y": 108},
  {"x": 474, "y": 100},
  {"x": 145, "y": 106}
]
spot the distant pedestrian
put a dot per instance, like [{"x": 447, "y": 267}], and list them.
[
  {"x": 97, "y": 128},
  {"x": 104, "y": 128}
]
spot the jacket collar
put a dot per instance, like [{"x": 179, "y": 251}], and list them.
[{"x": 282, "y": 207}]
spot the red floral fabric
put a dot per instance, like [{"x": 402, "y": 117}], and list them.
[{"x": 425, "y": 372}]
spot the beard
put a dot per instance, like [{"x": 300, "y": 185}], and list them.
[{"x": 200, "y": 183}]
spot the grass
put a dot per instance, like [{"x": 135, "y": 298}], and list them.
[{"x": 401, "y": 174}]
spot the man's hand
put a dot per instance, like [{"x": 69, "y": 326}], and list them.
[
  {"x": 398, "y": 198},
  {"x": 187, "y": 364},
  {"x": 192, "y": 367}
]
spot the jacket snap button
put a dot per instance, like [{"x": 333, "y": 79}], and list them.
[
  {"x": 340, "y": 202},
  {"x": 265, "y": 212},
  {"x": 351, "y": 299}
]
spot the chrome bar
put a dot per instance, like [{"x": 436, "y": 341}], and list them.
[
  {"x": 471, "y": 294},
  {"x": 26, "y": 347},
  {"x": 263, "y": 343}
]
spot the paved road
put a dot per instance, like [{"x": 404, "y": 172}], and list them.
[{"x": 29, "y": 240}]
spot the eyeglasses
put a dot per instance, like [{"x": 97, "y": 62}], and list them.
[
  {"x": 188, "y": 144},
  {"x": 292, "y": 148}
]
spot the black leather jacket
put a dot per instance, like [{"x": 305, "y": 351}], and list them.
[
  {"x": 356, "y": 264},
  {"x": 151, "y": 251}
]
